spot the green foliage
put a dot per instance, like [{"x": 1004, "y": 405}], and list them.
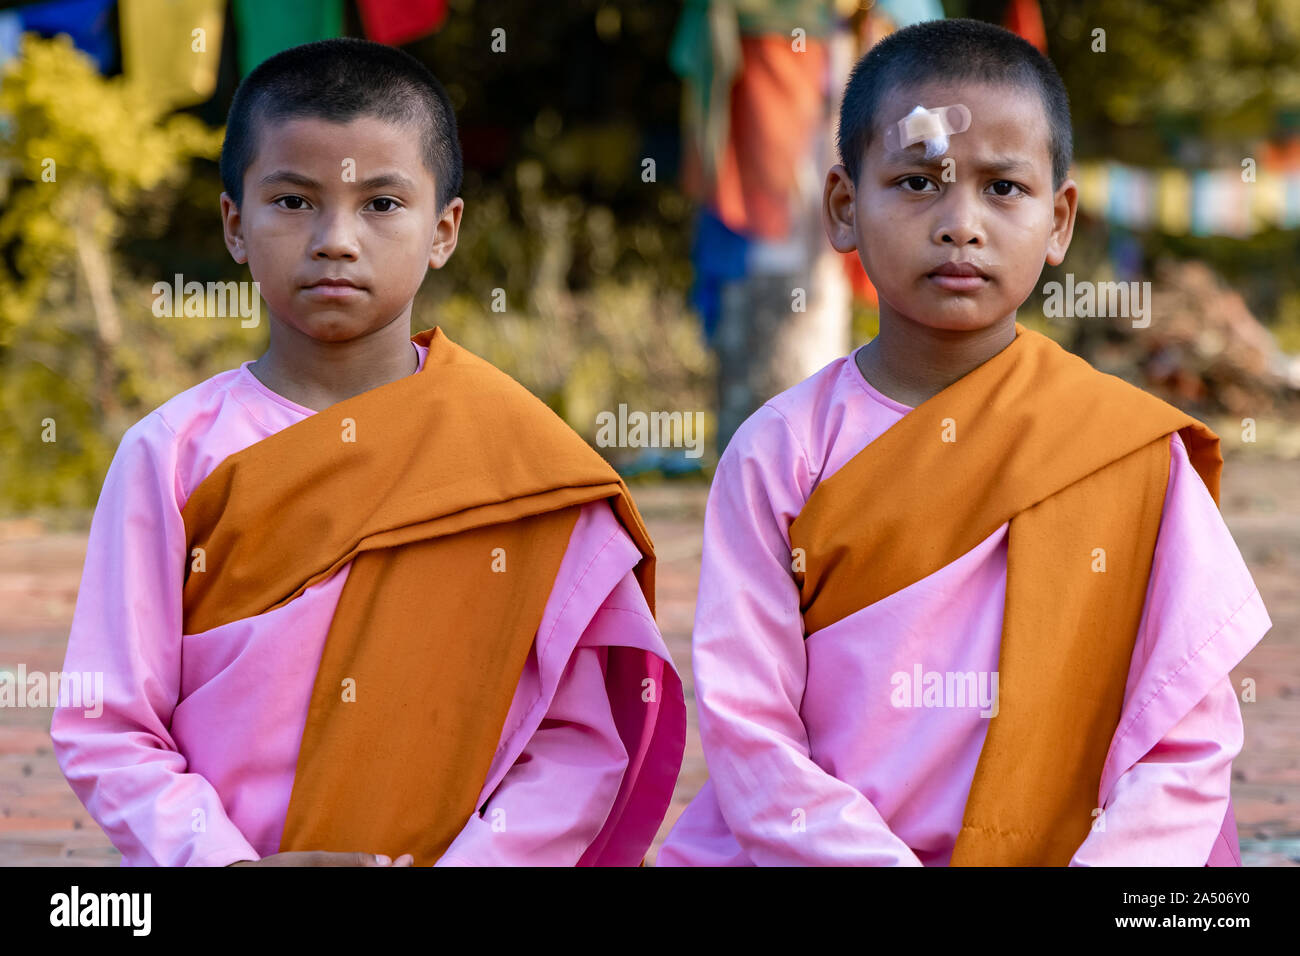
[
  {"x": 1184, "y": 83},
  {"x": 864, "y": 323},
  {"x": 78, "y": 340},
  {"x": 1287, "y": 327},
  {"x": 591, "y": 310},
  {"x": 591, "y": 260}
]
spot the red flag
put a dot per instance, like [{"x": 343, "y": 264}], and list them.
[
  {"x": 1025, "y": 19},
  {"x": 400, "y": 21}
]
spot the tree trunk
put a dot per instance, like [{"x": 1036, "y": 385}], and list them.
[{"x": 764, "y": 346}]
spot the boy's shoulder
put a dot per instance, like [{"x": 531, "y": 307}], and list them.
[
  {"x": 175, "y": 415},
  {"x": 171, "y": 438},
  {"x": 800, "y": 413},
  {"x": 816, "y": 392}
]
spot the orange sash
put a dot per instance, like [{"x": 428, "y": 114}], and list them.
[
  {"x": 453, "y": 493},
  {"x": 1077, "y": 461}
]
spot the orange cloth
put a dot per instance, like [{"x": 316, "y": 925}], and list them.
[
  {"x": 778, "y": 105},
  {"x": 428, "y": 640},
  {"x": 1076, "y": 461},
  {"x": 859, "y": 281}
]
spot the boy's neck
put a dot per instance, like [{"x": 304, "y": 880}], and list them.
[
  {"x": 911, "y": 363},
  {"x": 318, "y": 374}
]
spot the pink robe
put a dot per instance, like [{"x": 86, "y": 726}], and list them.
[
  {"x": 810, "y": 761},
  {"x": 192, "y": 761}
]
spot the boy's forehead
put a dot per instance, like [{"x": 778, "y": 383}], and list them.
[
  {"x": 365, "y": 139},
  {"x": 1004, "y": 118}
]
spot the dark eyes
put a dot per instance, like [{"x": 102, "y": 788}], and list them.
[
  {"x": 923, "y": 180},
  {"x": 301, "y": 203}
]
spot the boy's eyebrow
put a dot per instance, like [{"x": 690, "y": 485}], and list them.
[
  {"x": 913, "y": 156},
  {"x": 290, "y": 178}
]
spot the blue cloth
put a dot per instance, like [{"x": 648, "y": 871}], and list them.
[
  {"x": 1291, "y": 207},
  {"x": 11, "y": 32},
  {"x": 718, "y": 256},
  {"x": 1117, "y": 210},
  {"x": 87, "y": 22},
  {"x": 906, "y": 12},
  {"x": 1125, "y": 254},
  {"x": 1202, "y": 224}
]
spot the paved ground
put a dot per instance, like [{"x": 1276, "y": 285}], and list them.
[{"x": 43, "y": 823}]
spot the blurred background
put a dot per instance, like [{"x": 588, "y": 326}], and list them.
[{"x": 643, "y": 181}]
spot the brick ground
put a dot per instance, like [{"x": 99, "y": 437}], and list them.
[{"x": 43, "y": 823}]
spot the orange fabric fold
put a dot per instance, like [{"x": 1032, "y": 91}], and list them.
[
  {"x": 1077, "y": 461},
  {"x": 453, "y": 493}
]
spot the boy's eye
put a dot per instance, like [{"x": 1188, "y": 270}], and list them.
[
  {"x": 1001, "y": 187},
  {"x": 297, "y": 203}
]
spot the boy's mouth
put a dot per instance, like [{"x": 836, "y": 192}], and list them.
[
  {"x": 334, "y": 287},
  {"x": 958, "y": 276}
]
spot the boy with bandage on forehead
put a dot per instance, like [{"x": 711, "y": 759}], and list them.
[{"x": 964, "y": 600}]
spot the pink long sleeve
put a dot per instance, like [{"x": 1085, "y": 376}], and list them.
[
  {"x": 556, "y": 796},
  {"x": 1168, "y": 808},
  {"x": 125, "y": 765},
  {"x": 1167, "y": 783},
  {"x": 750, "y": 671}
]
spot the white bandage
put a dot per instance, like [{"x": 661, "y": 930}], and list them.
[{"x": 932, "y": 127}]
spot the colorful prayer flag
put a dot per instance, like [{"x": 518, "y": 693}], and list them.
[
  {"x": 266, "y": 27},
  {"x": 400, "y": 21},
  {"x": 173, "y": 47}
]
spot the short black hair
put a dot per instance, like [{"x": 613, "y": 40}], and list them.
[
  {"x": 956, "y": 50},
  {"x": 338, "y": 80}
]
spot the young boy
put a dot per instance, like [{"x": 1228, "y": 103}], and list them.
[
  {"x": 364, "y": 601},
  {"x": 964, "y": 600}
]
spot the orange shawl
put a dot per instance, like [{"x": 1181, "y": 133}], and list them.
[
  {"x": 453, "y": 492},
  {"x": 1077, "y": 461}
]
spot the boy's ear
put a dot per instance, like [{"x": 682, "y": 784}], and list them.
[
  {"x": 445, "y": 234},
  {"x": 1064, "y": 206},
  {"x": 233, "y": 228},
  {"x": 837, "y": 209}
]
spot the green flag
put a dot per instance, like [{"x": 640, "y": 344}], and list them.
[{"x": 266, "y": 27}]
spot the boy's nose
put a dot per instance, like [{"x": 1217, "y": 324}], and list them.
[
  {"x": 335, "y": 237},
  {"x": 958, "y": 228},
  {"x": 960, "y": 236},
  {"x": 958, "y": 222}
]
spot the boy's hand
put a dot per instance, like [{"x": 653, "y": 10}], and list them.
[{"x": 323, "y": 858}]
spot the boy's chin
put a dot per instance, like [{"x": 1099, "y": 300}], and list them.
[
  {"x": 331, "y": 326},
  {"x": 952, "y": 323}
]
